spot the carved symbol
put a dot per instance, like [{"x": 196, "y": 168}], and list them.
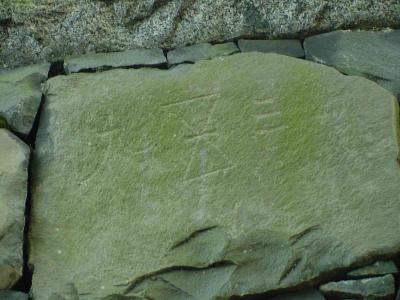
[
  {"x": 199, "y": 124},
  {"x": 268, "y": 120}
]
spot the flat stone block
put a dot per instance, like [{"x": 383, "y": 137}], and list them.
[
  {"x": 200, "y": 52},
  {"x": 284, "y": 47},
  {"x": 128, "y": 58}
]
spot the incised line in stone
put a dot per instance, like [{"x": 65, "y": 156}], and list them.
[
  {"x": 204, "y": 134},
  {"x": 196, "y": 98}
]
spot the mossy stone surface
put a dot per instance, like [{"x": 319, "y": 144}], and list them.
[
  {"x": 20, "y": 96},
  {"x": 209, "y": 180},
  {"x": 14, "y": 159}
]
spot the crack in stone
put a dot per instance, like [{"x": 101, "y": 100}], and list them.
[
  {"x": 192, "y": 236},
  {"x": 135, "y": 282}
]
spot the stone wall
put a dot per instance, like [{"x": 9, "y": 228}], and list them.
[{"x": 89, "y": 232}]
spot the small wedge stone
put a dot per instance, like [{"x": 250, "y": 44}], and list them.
[
  {"x": 128, "y": 58},
  {"x": 376, "y": 269},
  {"x": 284, "y": 47},
  {"x": 377, "y": 288},
  {"x": 200, "y": 52},
  {"x": 20, "y": 96}
]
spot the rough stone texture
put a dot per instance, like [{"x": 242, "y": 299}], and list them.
[
  {"x": 311, "y": 294},
  {"x": 211, "y": 180},
  {"x": 14, "y": 158},
  {"x": 377, "y": 288},
  {"x": 200, "y": 52},
  {"x": 129, "y": 58},
  {"x": 11, "y": 295},
  {"x": 378, "y": 268},
  {"x": 372, "y": 54},
  {"x": 37, "y": 29},
  {"x": 285, "y": 47},
  {"x": 20, "y": 96}
]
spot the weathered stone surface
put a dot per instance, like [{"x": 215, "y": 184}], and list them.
[
  {"x": 14, "y": 158},
  {"x": 32, "y": 30},
  {"x": 129, "y": 58},
  {"x": 200, "y": 52},
  {"x": 11, "y": 295},
  {"x": 20, "y": 96},
  {"x": 311, "y": 294},
  {"x": 378, "y": 268},
  {"x": 285, "y": 47},
  {"x": 372, "y": 54},
  {"x": 208, "y": 180},
  {"x": 377, "y": 288}
]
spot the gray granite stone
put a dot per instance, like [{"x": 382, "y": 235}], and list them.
[
  {"x": 33, "y": 30},
  {"x": 284, "y": 47}
]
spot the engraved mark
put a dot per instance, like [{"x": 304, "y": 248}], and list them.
[
  {"x": 196, "y": 98},
  {"x": 263, "y": 101},
  {"x": 267, "y": 119},
  {"x": 200, "y": 136},
  {"x": 270, "y": 129},
  {"x": 263, "y": 116},
  {"x": 204, "y": 175},
  {"x": 204, "y": 134}
]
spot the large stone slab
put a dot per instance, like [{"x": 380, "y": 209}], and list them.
[
  {"x": 373, "y": 54},
  {"x": 284, "y": 47},
  {"x": 101, "y": 61},
  {"x": 14, "y": 159},
  {"x": 211, "y": 180},
  {"x": 32, "y": 30},
  {"x": 377, "y": 288},
  {"x": 20, "y": 96},
  {"x": 200, "y": 52}
]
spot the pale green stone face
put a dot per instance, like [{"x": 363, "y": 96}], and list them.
[
  {"x": 14, "y": 157},
  {"x": 233, "y": 176},
  {"x": 20, "y": 96}
]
